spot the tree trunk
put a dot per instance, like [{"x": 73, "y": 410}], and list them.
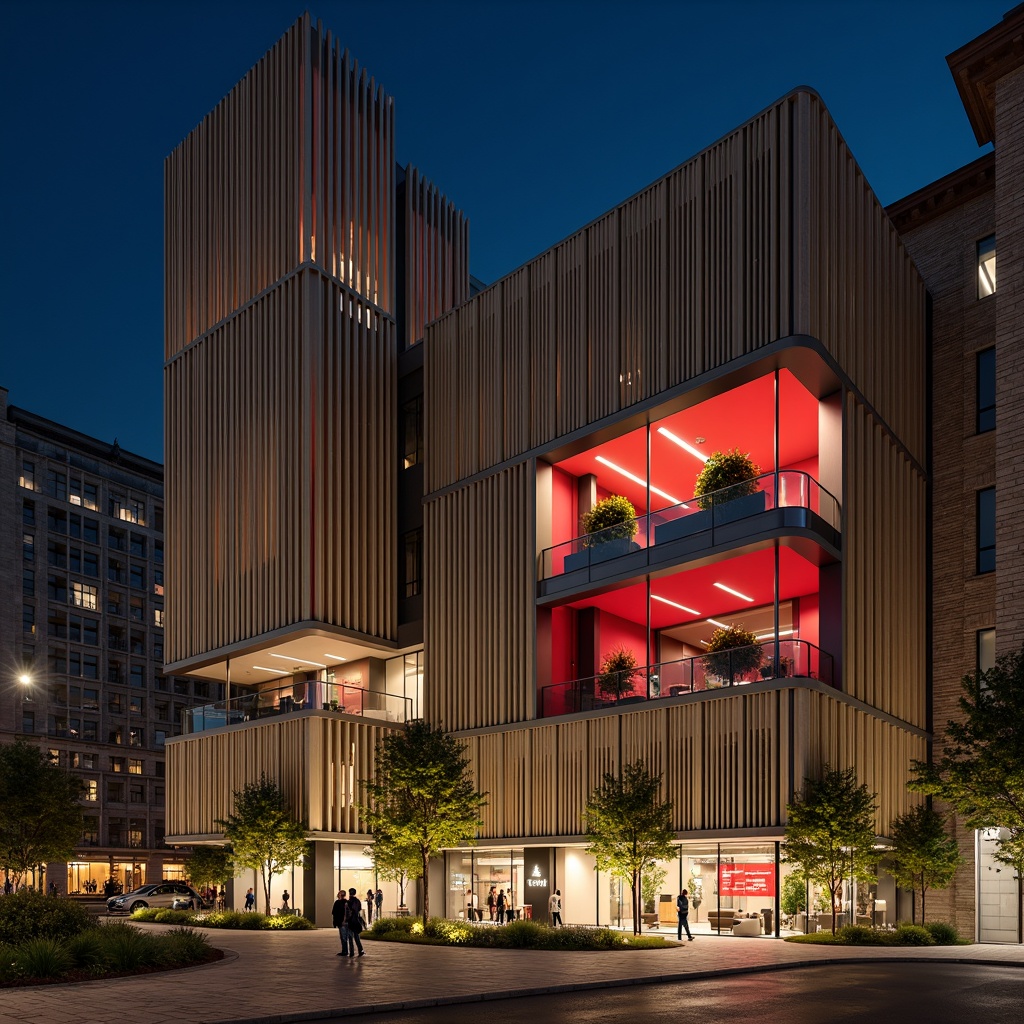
[
  {"x": 266, "y": 889},
  {"x": 635, "y": 890},
  {"x": 426, "y": 890},
  {"x": 922, "y": 899}
]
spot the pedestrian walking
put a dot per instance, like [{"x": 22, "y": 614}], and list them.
[
  {"x": 683, "y": 911},
  {"x": 492, "y": 902},
  {"x": 555, "y": 908},
  {"x": 339, "y": 918},
  {"x": 369, "y": 906},
  {"x": 378, "y": 902},
  {"x": 502, "y": 904},
  {"x": 285, "y": 907},
  {"x": 355, "y": 921},
  {"x": 250, "y": 899}
]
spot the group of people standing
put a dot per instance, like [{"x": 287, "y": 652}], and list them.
[{"x": 347, "y": 915}]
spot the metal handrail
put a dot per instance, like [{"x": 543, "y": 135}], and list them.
[
  {"x": 738, "y": 666},
  {"x": 777, "y": 490}
]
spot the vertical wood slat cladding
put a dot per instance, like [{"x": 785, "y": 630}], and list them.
[
  {"x": 279, "y": 216},
  {"x": 294, "y": 165},
  {"x": 722, "y": 761},
  {"x": 865, "y": 299},
  {"x": 264, "y": 462},
  {"x": 763, "y": 235},
  {"x": 436, "y": 255},
  {"x": 319, "y": 763},
  {"x": 884, "y": 620},
  {"x": 479, "y": 573}
]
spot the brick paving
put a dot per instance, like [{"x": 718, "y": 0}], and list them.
[{"x": 281, "y": 976}]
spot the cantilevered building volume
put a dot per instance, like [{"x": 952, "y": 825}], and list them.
[{"x": 364, "y": 528}]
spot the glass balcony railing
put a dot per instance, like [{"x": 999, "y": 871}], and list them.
[
  {"x": 788, "y": 488},
  {"x": 740, "y": 666},
  {"x": 287, "y": 700}
]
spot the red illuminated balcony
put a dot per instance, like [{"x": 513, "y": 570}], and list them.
[
  {"x": 723, "y": 670},
  {"x": 784, "y": 500}
]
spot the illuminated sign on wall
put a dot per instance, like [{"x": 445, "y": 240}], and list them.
[
  {"x": 746, "y": 880},
  {"x": 536, "y": 879}
]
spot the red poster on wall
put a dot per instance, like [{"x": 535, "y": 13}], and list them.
[{"x": 746, "y": 880}]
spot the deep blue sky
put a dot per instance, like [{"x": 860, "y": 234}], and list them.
[{"x": 534, "y": 117}]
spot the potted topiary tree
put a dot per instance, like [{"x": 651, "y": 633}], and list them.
[
  {"x": 610, "y": 527},
  {"x": 726, "y": 489},
  {"x": 728, "y": 486},
  {"x": 731, "y": 652},
  {"x": 618, "y": 670}
]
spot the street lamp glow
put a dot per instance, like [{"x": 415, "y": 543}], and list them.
[{"x": 24, "y": 678}]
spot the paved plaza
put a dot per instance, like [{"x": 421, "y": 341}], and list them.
[{"x": 282, "y": 976}]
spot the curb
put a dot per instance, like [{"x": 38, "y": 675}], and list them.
[{"x": 584, "y": 986}]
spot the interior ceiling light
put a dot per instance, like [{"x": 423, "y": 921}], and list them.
[
  {"x": 682, "y": 444},
  {"x": 681, "y": 607},
  {"x": 637, "y": 480},
  {"x": 340, "y": 657},
  {"x": 263, "y": 668},
  {"x": 301, "y": 661},
  {"x": 720, "y": 625},
  {"x": 782, "y": 632},
  {"x": 735, "y": 593}
]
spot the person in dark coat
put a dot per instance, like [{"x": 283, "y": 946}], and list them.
[
  {"x": 355, "y": 921},
  {"x": 339, "y": 917},
  {"x": 683, "y": 912}
]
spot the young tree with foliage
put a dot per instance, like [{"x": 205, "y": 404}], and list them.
[
  {"x": 422, "y": 796},
  {"x": 924, "y": 856},
  {"x": 630, "y": 827},
  {"x": 210, "y": 865},
  {"x": 262, "y": 832},
  {"x": 40, "y": 819},
  {"x": 830, "y": 833},
  {"x": 401, "y": 864},
  {"x": 980, "y": 772}
]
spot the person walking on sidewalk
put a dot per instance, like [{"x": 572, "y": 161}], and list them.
[
  {"x": 555, "y": 908},
  {"x": 683, "y": 910},
  {"x": 355, "y": 921},
  {"x": 369, "y": 906},
  {"x": 339, "y": 917}
]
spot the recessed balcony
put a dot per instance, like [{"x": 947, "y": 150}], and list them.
[
  {"x": 787, "y": 499},
  {"x": 719, "y": 671},
  {"x": 342, "y": 698}
]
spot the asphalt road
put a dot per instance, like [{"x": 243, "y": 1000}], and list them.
[{"x": 882, "y": 993}]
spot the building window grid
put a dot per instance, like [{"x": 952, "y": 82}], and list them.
[{"x": 985, "y": 390}]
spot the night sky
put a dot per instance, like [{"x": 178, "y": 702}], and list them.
[{"x": 534, "y": 118}]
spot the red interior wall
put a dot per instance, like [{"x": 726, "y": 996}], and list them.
[
  {"x": 564, "y": 517},
  {"x": 563, "y": 645},
  {"x": 614, "y": 631},
  {"x": 807, "y": 608}
]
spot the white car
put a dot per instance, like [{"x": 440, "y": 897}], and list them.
[{"x": 176, "y": 895}]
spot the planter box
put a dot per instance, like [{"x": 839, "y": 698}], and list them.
[
  {"x": 740, "y": 508},
  {"x": 684, "y": 526},
  {"x": 600, "y": 553}
]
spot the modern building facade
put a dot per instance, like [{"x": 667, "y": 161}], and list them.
[
  {"x": 82, "y": 639},
  {"x": 756, "y": 298}
]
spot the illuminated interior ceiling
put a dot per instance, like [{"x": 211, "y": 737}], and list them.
[
  {"x": 741, "y": 418},
  {"x": 751, "y": 574},
  {"x": 308, "y": 653}
]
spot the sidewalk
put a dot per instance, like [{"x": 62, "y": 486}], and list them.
[{"x": 283, "y": 976}]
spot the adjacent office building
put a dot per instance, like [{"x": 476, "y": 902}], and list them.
[
  {"x": 82, "y": 639},
  {"x": 364, "y": 526}
]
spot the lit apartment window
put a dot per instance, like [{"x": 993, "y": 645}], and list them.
[
  {"x": 134, "y": 766},
  {"x": 91, "y": 790},
  {"x": 986, "y": 390},
  {"x": 986, "y": 649},
  {"x": 412, "y": 433},
  {"x": 84, "y": 595},
  {"x": 986, "y": 530},
  {"x": 136, "y": 737},
  {"x": 117, "y": 764},
  {"x": 158, "y": 617},
  {"x": 83, "y": 493},
  {"x": 987, "y": 266},
  {"x": 27, "y": 478}
]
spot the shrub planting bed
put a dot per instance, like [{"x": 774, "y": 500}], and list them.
[
  {"x": 249, "y": 921},
  {"x": 518, "y": 935},
  {"x": 935, "y": 933}
]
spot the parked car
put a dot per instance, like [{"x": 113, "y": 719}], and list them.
[{"x": 173, "y": 895}]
